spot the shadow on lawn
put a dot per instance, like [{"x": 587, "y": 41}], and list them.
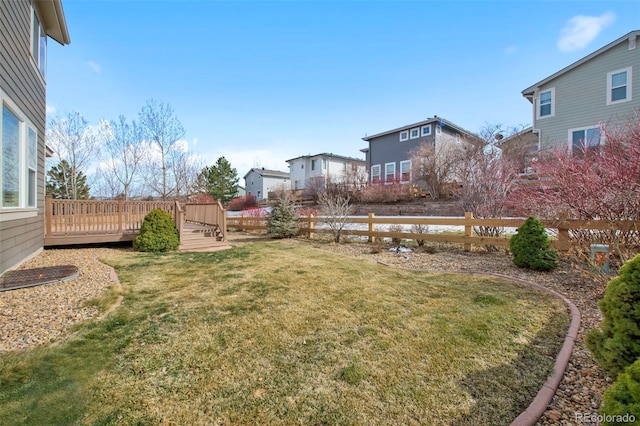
[{"x": 503, "y": 392}]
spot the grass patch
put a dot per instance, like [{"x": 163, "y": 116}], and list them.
[{"x": 281, "y": 333}]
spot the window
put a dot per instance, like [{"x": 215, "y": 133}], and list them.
[
  {"x": 313, "y": 164},
  {"x": 389, "y": 172},
  {"x": 438, "y": 128},
  {"x": 584, "y": 139},
  {"x": 324, "y": 164},
  {"x": 546, "y": 103},
  {"x": 619, "y": 86},
  {"x": 405, "y": 171},
  {"x": 404, "y": 136},
  {"x": 38, "y": 43},
  {"x": 426, "y": 130},
  {"x": 375, "y": 173},
  {"x": 19, "y": 165},
  {"x": 414, "y": 133}
]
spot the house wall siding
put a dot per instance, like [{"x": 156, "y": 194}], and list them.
[
  {"x": 581, "y": 96},
  {"x": 22, "y": 83}
]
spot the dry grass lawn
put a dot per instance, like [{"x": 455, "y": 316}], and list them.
[{"x": 281, "y": 333}]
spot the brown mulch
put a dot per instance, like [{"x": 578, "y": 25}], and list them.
[{"x": 43, "y": 314}]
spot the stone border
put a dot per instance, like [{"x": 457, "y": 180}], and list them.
[{"x": 539, "y": 405}]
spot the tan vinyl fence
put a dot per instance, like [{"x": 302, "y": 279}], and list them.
[{"x": 564, "y": 228}]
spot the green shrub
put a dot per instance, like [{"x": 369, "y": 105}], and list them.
[
  {"x": 158, "y": 233},
  {"x": 622, "y": 400},
  {"x": 618, "y": 344},
  {"x": 282, "y": 221},
  {"x": 531, "y": 247}
]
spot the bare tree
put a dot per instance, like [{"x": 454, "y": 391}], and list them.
[
  {"x": 76, "y": 143},
  {"x": 124, "y": 153},
  {"x": 162, "y": 130},
  {"x": 486, "y": 178},
  {"x": 435, "y": 165},
  {"x": 186, "y": 169},
  {"x": 336, "y": 208}
]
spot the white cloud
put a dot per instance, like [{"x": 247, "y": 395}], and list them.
[
  {"x": 509, "y": 50},
  {"x": 581, "y": 30},
  {"x": 51, "y": 110},
  {"x": 95, "y": 67}
]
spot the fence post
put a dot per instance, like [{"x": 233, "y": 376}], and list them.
[
  {"x": 242, "y": 222},
  {"x": 311, "y": 225},
  {"x": 372, "y": 228},
  {"x": 468, "y": 229},
  {"x": 563, "y": 232}
]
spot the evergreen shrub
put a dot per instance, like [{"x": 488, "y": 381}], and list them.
[
  {"x": 531, "y": 247},
  {"x": 158, "y": 233},
  {"x": 617, "y": 345},
  {"x": 621, "y": 403},
  {"x": 282, "y": 221}
]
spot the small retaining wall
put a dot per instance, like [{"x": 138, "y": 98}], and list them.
[{"x": 421, "y": 208}]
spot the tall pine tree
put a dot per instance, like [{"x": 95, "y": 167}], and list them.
[
  {"x": 62, "y": 184},
  {"x": 220, "y": 181}
]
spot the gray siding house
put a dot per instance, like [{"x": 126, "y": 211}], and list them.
[
  {"x": 601, "y": 89},
  {"x": 388, "y": 156},
  {"x": 260, "y": 181},
  {"x": 25, "y": 26}
]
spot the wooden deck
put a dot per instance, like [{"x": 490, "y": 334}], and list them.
[{"x": 202, "y": 227}]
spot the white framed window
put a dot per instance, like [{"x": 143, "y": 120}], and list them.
[
  {"x": 375, "y": 173},
  {"x": 324, "y": 164},
  {"x": 546, "y": 103},
  {"x": 414, "y": 133},
  {"x": 390, "y": 172},
  {"x": 426, "y": 130},
  {"x": 19, "y": 161},
  {"x": 438, "y": 129},
  {"x": 585, "y": 138},
  {"x": 619, "y": 86},
  {"x": 405, "y": 171},
  {"x": 38, "y": 42},
  {"x": 404, "y": 135},
  {"x": 313, "y": 164}
]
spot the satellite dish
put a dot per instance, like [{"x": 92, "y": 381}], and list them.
[{"x": 499, "y": 137}]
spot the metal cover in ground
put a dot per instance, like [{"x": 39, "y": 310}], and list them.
[{"x": 29, "y": 277}]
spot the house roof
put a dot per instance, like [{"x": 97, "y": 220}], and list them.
[
  {"x": 266, "y": 172},
  {"x": 329, "y": 155},
  {"x": 434, "y": 119},
  {"x": 53, "y": 20},
  {"x": 529, "y": 91}
]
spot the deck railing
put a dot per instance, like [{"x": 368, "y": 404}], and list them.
[
  {"x": 210, "y": 214},
  {"x": 65, "y": 217}
]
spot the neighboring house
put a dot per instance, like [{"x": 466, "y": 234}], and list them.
[
  {"x": 314, "y": 171},
  {"x": 24, "y": 28},
  {"x": 388, "y": 156},
  {"x": 521, "y": 147},
  {"x": 260, "y": 181},
  {"x": 601, "y": 89},
  {"x": 240, "y": 191}
]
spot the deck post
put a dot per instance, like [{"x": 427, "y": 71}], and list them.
[
  {"x": 120, "y": 215},
  {"x": 563, "y": 232},
  {"x": 372, "y": 228},
  {"x": 468, "y": 229},
  {"x": 48, "y": 208}
]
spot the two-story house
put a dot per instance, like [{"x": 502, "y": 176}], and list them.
[
  {"x": 388, "y": 156},
  {"x": 260, "y": 181},
  {"x": 315, "y": 171},
  {"x": 25, "y": 26},
  {"x": 601, "y": 89}
]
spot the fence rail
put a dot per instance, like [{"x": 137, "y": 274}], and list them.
[{"x": 566, "y": 228}]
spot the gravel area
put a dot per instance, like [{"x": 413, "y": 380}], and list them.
[{"x": 42, "y": 314}]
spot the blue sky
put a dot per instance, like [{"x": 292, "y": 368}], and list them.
[{"x": 261, "y": 82}]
